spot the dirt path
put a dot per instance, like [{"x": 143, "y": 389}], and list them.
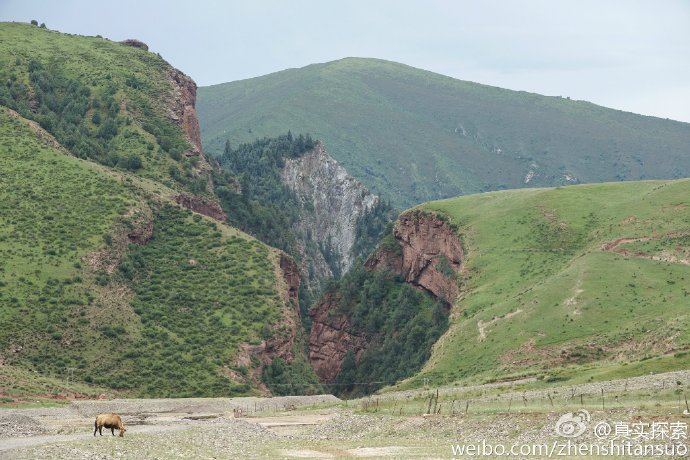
[
  {"x": 612, "y": 246},
  {"x": 615, "y": 246},
  {"x": 481, "y": 325},
  {"x": 291, "y": 420}
]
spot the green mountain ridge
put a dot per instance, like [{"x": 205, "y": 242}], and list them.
[
  {"x": 102, "y": 100},
  {"x": 412, "y": 136},
  {"x": 105, "y": 280}
]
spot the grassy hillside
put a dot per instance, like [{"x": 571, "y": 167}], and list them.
[
  {"x": 572, "y": 283},
  {"x": 413, "y": 136},
  {"x": 102, "y": 100},
  {"x": 105, "y": 282}
]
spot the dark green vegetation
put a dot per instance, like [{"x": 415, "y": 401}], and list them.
[
  {"x": 198, "y": 297},
  {"x": 371, "y": 227},
  {"x": 412, "y": 135},
  {"x": 262, "y": 206},
  {"x": 101, "y": 100},
  {"x": 572, "y": 283},
  {"x": 296, "y": 378},
  {"x": 401, "y": 322}
]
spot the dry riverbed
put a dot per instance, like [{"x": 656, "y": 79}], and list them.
[{"x": 311, "y": 427}]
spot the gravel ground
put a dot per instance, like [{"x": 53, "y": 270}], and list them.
[
  {"x": 195, "y": 405},
  {"x": 206, "y": 428},
  {"x": 650, "y": 382},
  {"x": 19, "y": 425},
  {"x": 220, "y": 438}
]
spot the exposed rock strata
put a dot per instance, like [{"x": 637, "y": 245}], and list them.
[
  {"x": 429, "y": 247},
  {"x": 428, "y": 256},
  {"x": 135, "y": 44},
  {"x": 206, "y": 206},
  {"x": 329, "y": 340},
  {"x": 182, "y": 108},
  {"x": 291, "y": 277},
  {"x": 337, "y": 200}
]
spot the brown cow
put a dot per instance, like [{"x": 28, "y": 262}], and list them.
[{"x": 111, "y": 421}]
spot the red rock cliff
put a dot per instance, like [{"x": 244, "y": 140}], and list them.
[
  {"x": 203, "y": 205},
  {"x": 430, "y": 252},
  {"x": 291, "y": 277},
  {"x": 182, "y": 108},
  {"x": 428, "y": 256},
  {"x": 329, "y": 340}
]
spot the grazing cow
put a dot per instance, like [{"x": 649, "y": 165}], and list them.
[{"x": 111, "y": 421}]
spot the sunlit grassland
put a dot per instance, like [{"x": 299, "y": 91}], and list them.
[{"x": 541, "y": 297}]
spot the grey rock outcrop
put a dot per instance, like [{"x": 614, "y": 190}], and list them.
[{"x": 332, "y": 202}]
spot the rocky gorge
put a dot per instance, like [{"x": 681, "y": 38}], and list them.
[{"x": 425, "y": 251}]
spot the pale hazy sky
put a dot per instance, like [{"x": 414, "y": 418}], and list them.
[{"x": 625, "y": 54}]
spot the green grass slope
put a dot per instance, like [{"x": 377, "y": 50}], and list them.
[
  {"x": 164, "y": 317},
  {"x": 572, "y": 283},
  {"x": 102, "y": 100},
  {"x": 413, "y": 136}
]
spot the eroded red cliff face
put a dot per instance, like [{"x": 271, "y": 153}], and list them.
[
  {"x": 329, "y": 340},
  {"x": 291, "y": 277},
  {"x": 428, "y": 255},
  {"x": 182, "y": 108},
  {"x": 206, "y": 206}
]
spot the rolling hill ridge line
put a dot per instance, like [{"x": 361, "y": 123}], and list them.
[{"x": 380, "y": 118}]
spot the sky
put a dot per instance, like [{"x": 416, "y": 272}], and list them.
[{"x": 632, "y": 55}]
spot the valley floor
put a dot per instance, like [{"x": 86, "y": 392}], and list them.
[{"x": 393, "y": 425}]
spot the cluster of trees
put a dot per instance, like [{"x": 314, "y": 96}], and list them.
[
  {"x": 61, "y": 105},
  {"x": 87, "y": 119},
  {"x": 371, "y": 226},
  {"x": 252, "y": 193},
  {"x": 401, "y": 322},
  {"x": 295, "y": 378}
]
